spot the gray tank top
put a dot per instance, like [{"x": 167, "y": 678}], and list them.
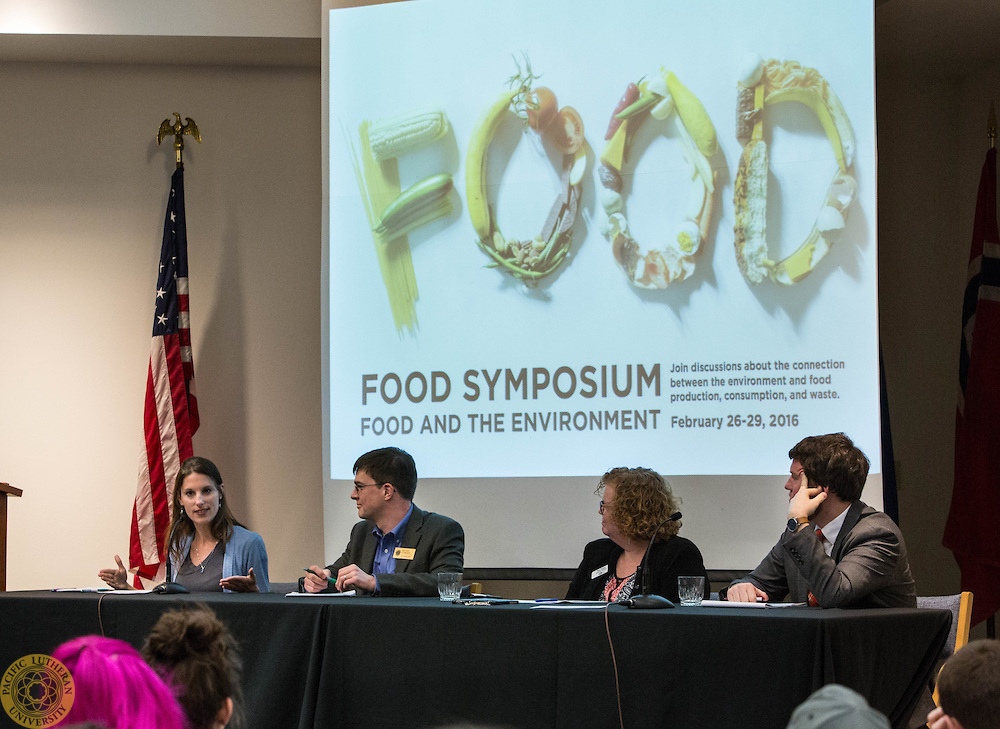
[{"x": 205, "y": 576}]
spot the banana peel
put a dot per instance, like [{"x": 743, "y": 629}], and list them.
[
  {"x": 831, "y": 115},
  {"x": 692, "y": 113},
  {"x": 475, "y": 163}
]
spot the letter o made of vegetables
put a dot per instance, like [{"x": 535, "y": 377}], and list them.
[
  {"x": 529, "y": 260},
  {"x": 766, "y": 83},
  {"x": 661, "y": 96}
]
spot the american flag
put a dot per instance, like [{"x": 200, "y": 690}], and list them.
[{"x": 171, "y": 409}]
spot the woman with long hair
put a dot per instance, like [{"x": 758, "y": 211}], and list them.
[{"x": 209, "y": 551}]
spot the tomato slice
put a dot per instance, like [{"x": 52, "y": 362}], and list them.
[
  {"x": 541, "y": 103},
  {"x": 566, "y": 133}
]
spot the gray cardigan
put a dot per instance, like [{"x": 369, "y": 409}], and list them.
[{"x": 244, "y": 550}]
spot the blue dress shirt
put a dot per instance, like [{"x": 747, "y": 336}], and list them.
[{"x": 385, "y": 560}]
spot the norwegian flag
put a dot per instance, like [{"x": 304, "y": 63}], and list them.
[
  {"x": 970, "y": 532},
  {"x": 171, "y": 409}
]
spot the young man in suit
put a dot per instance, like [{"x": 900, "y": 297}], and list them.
[
  {"x": 396, "y": 550},
  {"x": 836, "y": 551}
]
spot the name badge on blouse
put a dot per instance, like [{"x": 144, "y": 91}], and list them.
[
  {"x": 403, "y": 553},
  {"x": 599, "y": 571}
]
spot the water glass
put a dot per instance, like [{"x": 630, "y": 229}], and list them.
[
  {"x": 449, "y": 585},
  {"x": 691, "y": 590}
]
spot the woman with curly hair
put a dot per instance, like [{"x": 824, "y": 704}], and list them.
[{"x": 636, "y": 505}]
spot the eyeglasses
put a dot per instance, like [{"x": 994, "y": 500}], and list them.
[
  {"x": 359, "y": 486},
  {"x": 601, "y": 507}
]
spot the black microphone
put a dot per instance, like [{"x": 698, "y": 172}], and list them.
[
  {"x": 170, "y": 537},
  {"x": 645, "y": 601}
]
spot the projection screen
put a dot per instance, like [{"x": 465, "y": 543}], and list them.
[{"x": 568, "y": 236}]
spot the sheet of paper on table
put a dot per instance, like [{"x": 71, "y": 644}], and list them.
[
  {"x": 102, "y": 590},
  {"x": 726, "y": 603},
  {"x": 349, "y": 593}
]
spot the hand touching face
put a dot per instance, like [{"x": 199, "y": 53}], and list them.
[{"x": 804, "y": 499}]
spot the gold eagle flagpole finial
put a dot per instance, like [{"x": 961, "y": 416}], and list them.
[
  {"x": 178, "y": 131},
  {"x": 991, "y": 126}
]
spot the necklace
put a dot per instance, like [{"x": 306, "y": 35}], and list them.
[{"x": 194, "y": 553}]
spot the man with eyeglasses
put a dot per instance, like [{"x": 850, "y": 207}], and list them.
[{"x": 397, "y": 549}]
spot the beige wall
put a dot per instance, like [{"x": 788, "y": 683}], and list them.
[
  {"x": 82, "y": 191},
  {"x": 932, "y": 143},
  {"x": 923, "y": 247}
]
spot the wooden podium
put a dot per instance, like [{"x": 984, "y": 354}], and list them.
[{"x": 5, "y": 491}]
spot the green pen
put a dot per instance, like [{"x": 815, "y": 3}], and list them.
[{"x": 328, "y": 579}]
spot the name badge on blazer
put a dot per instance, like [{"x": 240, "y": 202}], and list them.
[
  {"x": 403, "y": 553},
  {"x": 599, "y": 571}
]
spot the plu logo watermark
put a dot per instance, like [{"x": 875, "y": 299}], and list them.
[{"x": 37, "y": 691}]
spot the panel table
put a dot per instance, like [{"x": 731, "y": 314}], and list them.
[{"x": 417, "y": 662}]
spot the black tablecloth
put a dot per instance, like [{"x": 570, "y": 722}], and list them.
[{"x": 417, "y": 662}]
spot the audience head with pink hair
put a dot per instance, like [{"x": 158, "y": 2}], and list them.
[{"x": 115, "y": 687}]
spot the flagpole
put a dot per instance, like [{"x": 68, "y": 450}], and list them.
[
  {"x": 168, "y": 422},
  {"x": 178, "y": 130},
  {"x": 991, "y": 134}
]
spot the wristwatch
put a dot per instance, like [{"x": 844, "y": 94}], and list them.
[{"x": 794, "y": 524}]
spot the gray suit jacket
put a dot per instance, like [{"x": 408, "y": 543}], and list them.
[
  {"x": 867, "y": 568},
  {"x": 439, "y": 544}
]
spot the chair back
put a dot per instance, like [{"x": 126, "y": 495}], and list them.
[
  {"x": 961, "y": 620},
  {"x": 960, "y": 606}
]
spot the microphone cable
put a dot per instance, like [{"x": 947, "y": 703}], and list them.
[
  {"x": 614, "y": 662},
  {"x": 642, "y": 573}
]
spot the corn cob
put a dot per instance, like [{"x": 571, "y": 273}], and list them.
[{"x": 394, "y": 136}]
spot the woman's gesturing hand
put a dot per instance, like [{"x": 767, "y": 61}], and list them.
[{"x": 116, "y": 577}]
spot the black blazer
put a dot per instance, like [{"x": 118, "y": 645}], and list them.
[
  {"x": 668, "y": 560},
  {"x": 438, "y": 543}
]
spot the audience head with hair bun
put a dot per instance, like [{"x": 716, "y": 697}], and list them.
[
  {"x": 197, "y": 654},
  {"x": 115, "y": 688}
]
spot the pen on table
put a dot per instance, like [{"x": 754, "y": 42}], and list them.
[
  {"x": 328, "y": 579},
  {"x": 547, "y": 599},
  {"x": 82, "y": 589}
]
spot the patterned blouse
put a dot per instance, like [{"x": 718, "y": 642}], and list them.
[{"x": 617, "y": 589}]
